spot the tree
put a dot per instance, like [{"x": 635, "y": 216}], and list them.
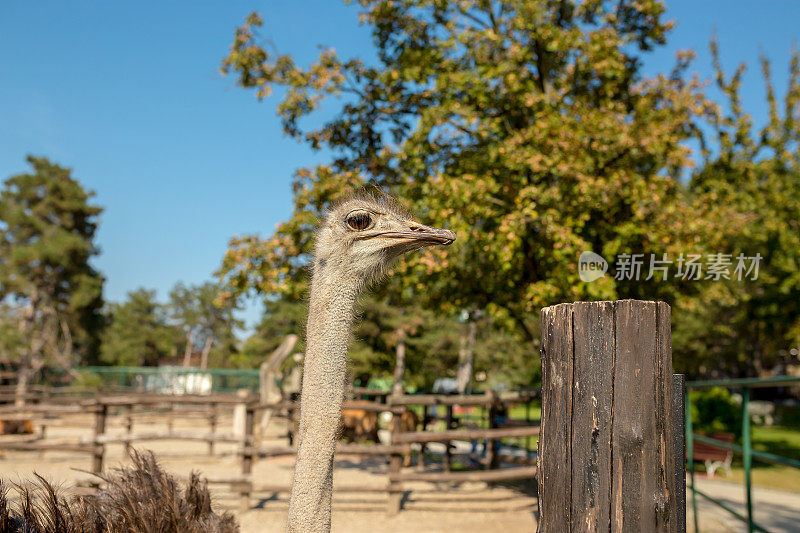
[
  {"x": 281, "y": 317},
  {"x": 527, "y": 127},
  {"x": 138, "y": 333},
  {"x": 205, "y": 321},
  {"x": 217, "y": 325},
  {"x": 749, "y": 185},
  {"x": 10, "y": 335},
  {"x": 185, "y": 313},
  {"x": 47, "y": 228}
]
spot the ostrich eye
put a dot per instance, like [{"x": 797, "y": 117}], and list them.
[{"x": 359, "y": 221}]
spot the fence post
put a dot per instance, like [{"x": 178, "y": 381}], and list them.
[
  {"x": 607, "y": 447},
  {"x": 394, "y": 488},
  {"x": 448, "y": 452},
  {"x": 690, "y": 457},
  {"x": 423, "y": 449},
  {"x": 492, "y": 458},
  {"x": 128, "y": 426},
  {"x": 247, "y": 455},
  {"x": 101, "y": 410},
  {"x": 212, "y": 422},
  {"x": 747, "y": 456},
  {"x": 678, "y": 410}
]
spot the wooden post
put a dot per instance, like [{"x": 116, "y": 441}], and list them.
[
  {"x": 606, "y": 452},
  {"x": 491, "y": 454},
  {"x": 267, "y": 374},
  {"x": 128, "y": 426},
  {"x": 247, "y": 455},
  {"x": 424, "y": 446},
  {"x": 42, "y": 436},
  {"x": 293, "y": 414},
  {"x": 678, "y": 409},
  {"x": 101, "y": 411},
  {"x": 212, "y": 423},
  {"x": 394, "y": 488},
  {"x": 448, "y": 454},
  {"x": 400, "y": 362}
]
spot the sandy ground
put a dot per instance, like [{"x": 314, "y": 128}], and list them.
[
  {"x": 432, "y": 508},
  {"x": 466, "y": 508}
]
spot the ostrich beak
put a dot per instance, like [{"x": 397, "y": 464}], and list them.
[{"x": 422, "y": 235}]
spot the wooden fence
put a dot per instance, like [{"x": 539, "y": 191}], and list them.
[
  {"x": 400, "y": 441},
  {"x": 128, "y": 408}
]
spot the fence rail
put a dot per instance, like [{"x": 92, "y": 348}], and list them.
[
  {"x": 745, "y": 450},
  {"x": 123, "y": 409}
]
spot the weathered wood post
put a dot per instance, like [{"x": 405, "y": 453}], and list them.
[
  {"x": 448, "y": 450},
  {"x": 101, "y": 411},
  {"x": 606, "y": 453},
  {"x": 212, "y": 423},
  {"x": 394, "y": 488},
  {"x": 128, "y": 409},
  {"x": 423, "y": 450},
  {"x": 492, "y": 459},
  {"x": 170, "y": 416},
  {"x": 247, "y": 456}
]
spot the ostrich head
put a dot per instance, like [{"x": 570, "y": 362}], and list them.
[
  {"x": 361, "y": 237},
  {"x": 356, "y": 244}
]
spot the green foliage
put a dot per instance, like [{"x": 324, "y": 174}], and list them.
[
  {"x": 750, "y": 186},
  {"x": 88, "y": 379},
  {"x": 714, "y": 410},
  {"x": 432, "y": 343},
  {"x": 529, "y": 128},
  {"x": 138, "y": 333},
  {"x": 143, "y": 332},
  {"x": 524, "y": 126},
  {"x": 281, "y": 317},
  {"x": 10, "y": 335},
  {"x": 207, "y": 323},
  {"x": 47, "y": 229}
]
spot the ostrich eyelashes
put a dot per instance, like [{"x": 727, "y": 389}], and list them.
[{"x": 359, "y": 221}]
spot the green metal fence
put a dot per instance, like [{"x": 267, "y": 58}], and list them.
[
  {"x": 745, "y": 450},
  {"x": 175, "y": 379}
]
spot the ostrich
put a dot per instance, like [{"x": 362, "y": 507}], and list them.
[
  {"x": 137, "y": 499},
  {"x": 356, "y": 244}
]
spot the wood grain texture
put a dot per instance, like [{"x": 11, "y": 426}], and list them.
[
  {"x": 607, "y": 444},
  {"x": 634, "y": 425},
  {"x": 592, "y": 395},
  {"x": 555, "y": 479},
  {"x": 679, "y": 434},
  {"x": 665, "y": 491}
]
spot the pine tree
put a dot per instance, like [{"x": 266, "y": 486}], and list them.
[{"x": 47, "y": 229}]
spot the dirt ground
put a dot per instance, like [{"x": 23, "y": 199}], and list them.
[{"x": 428, "y": 507}]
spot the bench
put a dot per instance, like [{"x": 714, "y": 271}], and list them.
[{"x": 713, "y": 456}]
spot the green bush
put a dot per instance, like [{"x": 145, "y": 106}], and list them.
[
  {"x": 715, "y": 410},
  {"x": 88, "y": 379}
]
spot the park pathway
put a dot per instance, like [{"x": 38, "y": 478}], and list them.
[{"x": 776, "y": 510}]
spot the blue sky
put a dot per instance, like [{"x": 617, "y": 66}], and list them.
[{"x": 130, "y": 96}]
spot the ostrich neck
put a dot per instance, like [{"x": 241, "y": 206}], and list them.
[{"x": 330, "y": 319}]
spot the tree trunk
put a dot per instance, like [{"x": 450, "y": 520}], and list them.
[
  {"x": 24, "y": 374},
  {"x": 400, "y": 363},
  {"x": 268, "y": 390},
  {"x": 466, "y": 356},
  {"x": 206, "y": 349},
  {"x": 187, "y": 353},
  {"x": 28, "y": 358}
]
